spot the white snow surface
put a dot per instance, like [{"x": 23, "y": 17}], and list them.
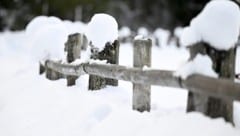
[
  {"x": 31, "y": 105},
  {"x": 48, "y": 43},
  {"x": 47, "y": 35},
  {"x": 101, "y": 29},
  {"x": 201, "y": 64},
  {"x": 143, "y": 31},
  {"x": 218, "y": 24},
  {"x": 75, "y": 27},
  {"x": 39, "y": 22}
]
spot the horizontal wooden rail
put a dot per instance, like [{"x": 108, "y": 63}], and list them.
[{"x": 219, "y": 88}]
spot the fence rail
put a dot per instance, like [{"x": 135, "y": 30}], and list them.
[{"x": 220, "y": 88}]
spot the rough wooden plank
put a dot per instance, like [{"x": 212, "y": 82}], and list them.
[
  {"x": 135, "y": 75},
  {"x": 52, "y": 74},
  {"x": 66, "y": 69},
  {"x": 219, "y": 88},
  {"x": 142, "y": 92}
]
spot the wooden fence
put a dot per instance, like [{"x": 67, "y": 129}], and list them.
[
  {"x": 142, "y": 79},
  {"x": 220, "y": 88}
]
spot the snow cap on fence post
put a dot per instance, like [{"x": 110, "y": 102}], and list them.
[
  {"x": 142, "y": 57},
  {"x": 46, "y": 37},
  {"x": 218, "y": 25},
  {"x": 101, "y": 29},
  {"x": 110, "y": 54},
  {"x": 214, "y": 32}
]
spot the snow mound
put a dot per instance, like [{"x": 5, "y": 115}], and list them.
[
  {"x": 218, "y": 24},
  {"x": 75, "y": 27},
  {"x": 201, "y": 64},
  {"x": 143, "y": 31},
  {"x": 47, "y": 36},
  {"x": 40, "y": 21},
  {"x": 101, "y": 29},
  {"x": 162, "y": 36},
  {"x": 49, "y": 43},
  {"x": 124, "y": 32},
  {"x": 30, "y": 105}
]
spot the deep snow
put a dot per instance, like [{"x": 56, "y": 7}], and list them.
[
  {"x": 218, "y": 24},
  {"x": 32, "y": 105},
  {"x": 101, "y": 29}
]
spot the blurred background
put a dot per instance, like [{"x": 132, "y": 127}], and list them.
[{"x": 167, "y": 14}]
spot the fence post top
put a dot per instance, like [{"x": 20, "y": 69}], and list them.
[{"x": 143, "y": 42}]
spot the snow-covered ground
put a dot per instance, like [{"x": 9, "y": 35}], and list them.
[{"x": 31, "y": 105}]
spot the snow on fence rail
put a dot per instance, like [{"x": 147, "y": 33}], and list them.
[{"x": 142, "y": 79}]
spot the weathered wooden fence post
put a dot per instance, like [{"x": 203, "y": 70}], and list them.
[
  {"x": 224, "y": 65},
  {"x": 142, "y": 57},
  {"x": 111, "y": 54},
  {"x": 73, "y": 48},
  {"x": 95, "y": 82}
]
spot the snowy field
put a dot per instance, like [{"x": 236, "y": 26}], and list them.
[{"x": 31, "y": 105}]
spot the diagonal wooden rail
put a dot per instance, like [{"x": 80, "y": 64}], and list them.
[{"x": 219, "y": 88}]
